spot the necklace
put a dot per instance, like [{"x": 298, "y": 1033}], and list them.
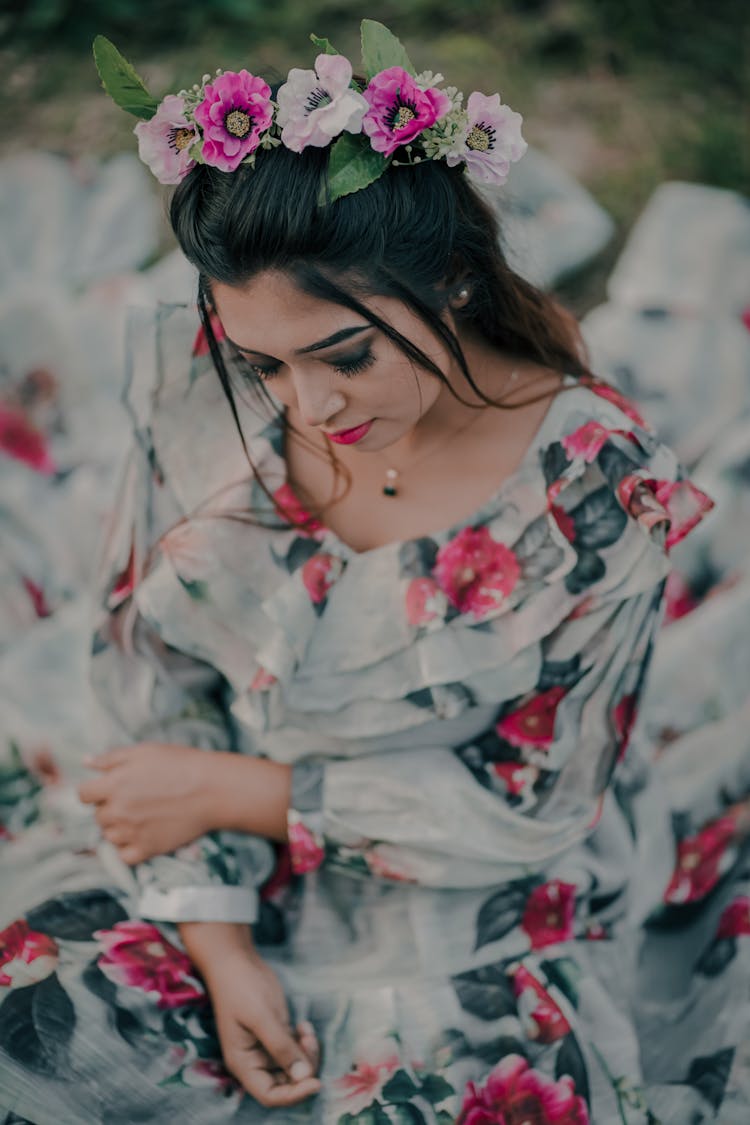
[{"x": 392, "y": 474}]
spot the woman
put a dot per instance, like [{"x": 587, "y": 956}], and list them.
[{"x": 400, "y": 569}]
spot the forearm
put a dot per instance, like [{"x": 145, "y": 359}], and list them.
[
  {"x": 245, "y": 794},
  {"x": 211, "y": 945}
]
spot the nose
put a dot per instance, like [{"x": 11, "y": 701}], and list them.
[{"x": 317, "y": 400}]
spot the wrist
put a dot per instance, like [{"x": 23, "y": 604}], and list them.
[
  {"x": 247, "y": 794},
  {"x": 212, "y": 946}
]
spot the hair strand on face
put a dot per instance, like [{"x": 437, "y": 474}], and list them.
[{"x": 411, "y": 235}]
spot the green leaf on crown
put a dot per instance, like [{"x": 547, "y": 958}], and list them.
[
  {"x": 324, "y": 45},
  {"x": 353, "y": 164},
  {"x": 121, "y": 82},
  {"x": 381, "y": 49}
]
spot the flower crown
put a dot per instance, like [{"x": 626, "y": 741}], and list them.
[{"x": 223, "y": 121}]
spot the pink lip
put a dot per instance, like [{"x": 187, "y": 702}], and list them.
[{"x": 348, "y": 437}]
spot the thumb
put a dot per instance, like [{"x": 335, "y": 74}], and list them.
[{"x": 278, "y": 1040}]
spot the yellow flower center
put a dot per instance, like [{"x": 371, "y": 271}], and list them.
[
  {"x": 238, "y": 123},
  {"x": 183, "y": 138},
  {"x": 690, "y": 860},
  {"x": 478, "y": 139},
  {"x": 403, "y": 117}
]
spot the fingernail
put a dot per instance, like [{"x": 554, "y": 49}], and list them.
[
  {"x": 307, "y": 1027},
  {"x": 299, "y": 1070}
]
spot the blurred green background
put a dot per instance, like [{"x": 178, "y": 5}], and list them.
[{"x": 623, "y": 93}]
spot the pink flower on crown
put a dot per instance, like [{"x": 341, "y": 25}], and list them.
[
  {"x": 235, "y": 110},
  {"x": 493, "y": 139},
  {"x": 164, "y": 142},
  {"x": 514, "y": 1093},
  {"x": 316, "y": 105},
  {"x": 476, "y": 571},
  {"x": 399, "y": 109}
]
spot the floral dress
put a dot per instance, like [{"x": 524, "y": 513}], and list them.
[{"x": 496, "y": 904}]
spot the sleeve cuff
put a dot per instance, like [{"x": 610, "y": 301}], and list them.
[
  {"x": 305, "y": 817},
  {"x": 199, "y": 904}
]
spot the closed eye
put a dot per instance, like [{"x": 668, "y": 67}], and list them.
[{"x": 347, "y": 366}]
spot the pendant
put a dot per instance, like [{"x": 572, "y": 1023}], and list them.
[{"x": 389, "y": 488}]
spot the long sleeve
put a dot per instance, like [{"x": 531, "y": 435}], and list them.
[
  {"x": 152, "y": 691},
  {"x": 507, "y": 802}
]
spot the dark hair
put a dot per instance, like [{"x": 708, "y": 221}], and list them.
[{"x": 409, "y": 235}]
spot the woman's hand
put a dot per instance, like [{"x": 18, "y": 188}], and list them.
[
  {"x": 150, "y": 798},
  {"x": 153, "y": 797},
  {"x": 275, "y": 1063}
]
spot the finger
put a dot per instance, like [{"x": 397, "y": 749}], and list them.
[
  {"x": 278, "y": 1040},
  {"x": 104, "y": 816},
  {"x": 308, "y": 1041},
  {"x": 131, "y": 854},
  {"x": 90, "y": 792},
  {"x": 106, "y": 760},
  {"x": 270, "y": 1086},
  {"x": 117, "y": 835}
]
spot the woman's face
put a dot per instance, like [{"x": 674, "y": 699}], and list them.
[{"x": 331, "y": 369}]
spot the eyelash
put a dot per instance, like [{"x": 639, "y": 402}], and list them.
[{"x": 348, "y": 370}]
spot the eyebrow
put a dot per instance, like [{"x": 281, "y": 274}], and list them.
[{"x": 328, "y": 342}]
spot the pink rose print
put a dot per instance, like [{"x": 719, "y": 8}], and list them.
[
  {"x": 548, "y": 915},
  {"x": 564, "y": 521},
  {"x": 377, "y": 859},
  {"x": 281, "y": 876},
  {"x": 606, "y": 390},
  {"x": 624, "y": 716},
  {"x": 678, "y": 503},
  {"x": 360, "y": 1086},
  {"x": 735, "y": 919},
  {"x": 305, "y": 850},
  {"x": 701, "y": 861},
  {"x": 587, "y": 440},
  {"x": 200, "y": 344},
  {"x": 425, "y": 601},
  {"x": 26, "y": 956},
  {"x": 533, "y": 724},
  {"x": 542, "y": 1019},
  {"x": 518, "y": 777},
  {"x": 514, "y": 1094},
  {"x": 595, "y": 931},
  {"x": 678, "y": 597},
  {"x": 37, "y": 598},
  {"x": 745, "y": 317},
  {"x": 124, "y": 583},
  {"x": 20, "y": 440},
  {"x": 476, "y": 572},
  {"x": 262, "y": 680},
  {"x": 318, "y": 575},
  {"x": 290, "y": 508},
  {"x": 137, "y": 956}
]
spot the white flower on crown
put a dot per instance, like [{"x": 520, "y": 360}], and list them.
[{"x": 317, "y": 105}]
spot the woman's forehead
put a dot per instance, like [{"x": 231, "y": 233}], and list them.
[{"x": 271, "y": 315}]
